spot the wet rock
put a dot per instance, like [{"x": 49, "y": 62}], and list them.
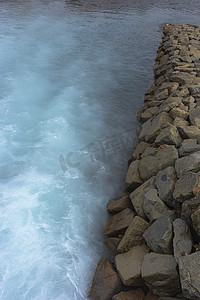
[
  {"x": 182, "y": 241},
  {"x": 196, "y": 220},
  {"x": 178, "y": 112},
  {"x": 188, "y": 146},
  {"x": 178, "y": 122},
  {"x": 187, "y": 164},
  {"x": 153, "y": 206},
  {"x": 169, "y": 135},
  {"x": 159, "y": 235},
  {"x": 194, "y": 116},
  {"x": 150, "y": 165},
  {"x": 129, "y": 264},
  {"x": 133, "y": 179},
  {"x": 115, "y": 206},
  {"x": 190, "y": 132},
  {"x": 106, "y": 282},
  {"x": 185, "y": 185},
  {"x": 141, "y": 147},
  {"x": 133, "y": 235},
  {"x": 112, "y": 244},
  {"x": 137, "y": 196},
  {"x": 160, "y": 274},
  {"x": 165, "y": 182},
  {"x": 130, "y": 295},
  {"x": 189, "y": 267},
  {"x": 185, "y": 78},
  {"x": 118, "y": 223},
  {"x": 189, "y": 207}
]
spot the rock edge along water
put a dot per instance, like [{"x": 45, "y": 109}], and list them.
[{"x": 154, "y": 229}]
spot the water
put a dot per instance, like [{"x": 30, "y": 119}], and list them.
[{"x": 72, "y": 78}]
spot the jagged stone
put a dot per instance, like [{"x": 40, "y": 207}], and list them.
[
  {"x": 137, "y": 196},
  {"x": 112, "y": 244},
  {"x": 153, "y": 206},
  {"x": 160, "y": 274},
  {"x": 190, "y": 132},
  {"x": 151, "y": 296},
  {"x": 196, "y": 220},
  {"x": 161, "y": 95},
  {"x": 170, "y": 103},
  {"x": 185, "y": 185},
  {"x": 149, "y": 152},
  {"x": 137, "y": 294},
  {"x": 185, "y": 78},
  {"x": 129, "y": 264},
  {"x": 133, "y": 179},
  {"x": 144, "y": 129},
  {"x": 182, "y": 241},
  {"x": 133, "y": 235},
  {"x": 115, "y": 206},
  {"x": 118, "y": 223},
  {"x": 165, "y": 182},
  {"x": 189, "y": 207},
  {"x": 169, "y": 135},
  {"x": 147, "y": 114},
  {"x": 178, "y": 122},
  {"x": 187, "y": 164},
  {"x": 159, "y": 235},
  {"x": 141, "y": 147},
  {"x": 150, "y": 165},
  {"x": 178, "y": 112},
  {"x": 189, "y": 267},
  {"x": 106, "y": 282},
  {"x": 194, "y": 116},
  {"x": 188, "y": 146}
]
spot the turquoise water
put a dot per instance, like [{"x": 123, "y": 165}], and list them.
[{"x": 73, "y": 75}]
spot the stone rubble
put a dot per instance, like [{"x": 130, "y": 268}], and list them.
[{"x": 154, "y": 229}]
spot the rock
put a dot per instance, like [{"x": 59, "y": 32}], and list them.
[
  {"x": 194, "y": 116},
  {"x": 188, "y": 100},
  {"x": 133, "y": 179},
  {"x": 133, "y": 235},
  {"x": 147, "y": 114},
  {"x": 182, "y": 241},
  {"x": 161, "y": 95},
  {"x": 190, "y": 132},
  {"x": 159, "y": 235},
  {"x": 115, "y": 206},
  {"x": 157, "y": 124},
  {"x": 178, "y": 112},
  {"x": 196, "y": 220},
  {"x": 165, "y": 182},
  {"x": 150, "y": 165},
  {"x": 144, "y": 129},
  {"x": 118, "y": 223},
  {"x": 160, "y": 274},
  {"x": 178, "y": 122},
  {"x": 187, "y": 164},
  {"x": 106, "y": 282},
  {"x": 151, "y": 296},
  {"x": 137, "y": 196},
  {"x": 190, "y": 276},
  {"x": 112, "y": 244},
  {"x": 149, "y": 152},
  {"x": 169, "y": 135},
  {"x": 153, "y": 206},
  {"x": 129, "y": 264},
  {"x": 184, "y": 78},
  {"x": 130, "y": 295},
  {"x": 189, "y": 207},
  {"x": 170, "y": 298},
  {"x": 170, "y": 103},
  {"x": 141, "y": 147},
  {"x": 188, "y": 146},
  {"x": 185, "y": 185}
]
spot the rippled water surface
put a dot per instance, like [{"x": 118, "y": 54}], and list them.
[{"x": 72, "y": 78}]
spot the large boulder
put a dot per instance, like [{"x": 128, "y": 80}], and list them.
[
  {"x": 189, "y": 207},
  {"x": 141, "y": 147},
  {"x": 170, "y": 103},
  {"x": 137, "y": 196},
  {"x": 169, "y": 135},
  {"x": 160, "y": 234},
  {"x": 106, "y": 282},
  {"x": 187, "y": 164},
  {"x": 153, "y": 206},
  {"x": 133, "y": 235},
  {"x": 160, "y": 274},
  {"x": 196, "y": 220},
  {"x": 185, "y": 78},
  {"x": 118, "y": 223},
  {"x": 189, "y": 267},
  {"x": 150, "y": 165},
  {"x": 188, "y": 146},
  {"x": 112, "y": 244},
  {"x": 194, "y": 116},
  {"x": 129, "y": 264},
  {"x": 184, "y": 187},
  {"x": 165, "y": 182},
  {"x": 182, "y": 241},
  {"x": 137, "y": 294},
  {"x": 115, "y": 206},
  {"x": 133, "y": 179},
  {"x": 189, "y": 132}
]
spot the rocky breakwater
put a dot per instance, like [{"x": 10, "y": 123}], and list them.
[{"x": 154, "y": 229}]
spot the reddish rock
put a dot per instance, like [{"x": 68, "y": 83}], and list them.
[{"x": 106, "y": 282}]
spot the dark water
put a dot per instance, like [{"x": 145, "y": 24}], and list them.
[{"x": 72, "y": 78}]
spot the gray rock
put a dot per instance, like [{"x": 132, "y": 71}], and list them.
[
  {"x": 161, "y": 95},
  {"x": 169, "y": 135},
  {"x": 188, "y": 146},
  {"x": 165, "y": 182},
  {"x": 139, "y": 150},
  {"x": 178, "y": 122},
  {"x": 118, "y": 223},
  {"x": 129, "y": 264},
  {"x": 149, "y": 152},
  {"x": 196, "y": 220},
  {"x": 115, "y": 206},
  {"x": 160, "y": 274},
  {"x": 189, "y": 207},
  {"x": 190, "y": 132},
  {"x": 144, "y": 129},
  {"x": 150, "y": 165},
  {"x": 185, "y": 78},
  {"x": 185, "y": 185},
  {"x": 133, "y": 235},
  {"x": 182, "y": 241},
  {"x": 147, "y": 114},
  {"x": 112, "y": 244},
  {"x": 170, "y": 103},
  {"x": 159, "y": 235},
  {"x": 186, "y": 164},
  {"x": 188, "y": 100},
  {"x": 178, "y": 112},
  {"x": 153, "y": 206},
  {"x": 194, "y": 116},
  {"x": 137, "y": 196},
  {"x": 133, "y": 179},
  {"x": 189, "y": 267}
]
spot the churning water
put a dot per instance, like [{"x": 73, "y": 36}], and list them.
[{"x": 72, "y": 78}]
